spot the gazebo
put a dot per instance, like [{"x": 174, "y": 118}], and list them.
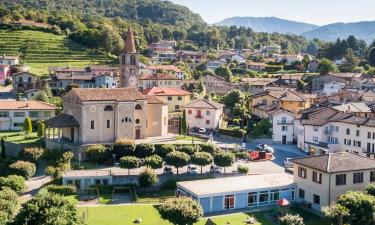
[
  {"x": 282, "y": 207},
  {"x": 63, "y": 127}
]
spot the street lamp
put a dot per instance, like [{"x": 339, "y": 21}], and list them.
[{"x": 114, "y": 160}]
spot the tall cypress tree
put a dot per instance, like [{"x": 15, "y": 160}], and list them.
[
  {"x": 27, "y": 127},
  {"x": 184, "y": 123},
  {"x": 3, "y": 151},
  {"x": 179, "y": 125}
]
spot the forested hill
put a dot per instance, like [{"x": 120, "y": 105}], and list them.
[{"x": 157, "y": 11}]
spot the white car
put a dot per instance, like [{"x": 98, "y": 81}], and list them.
[
  {"x": 266, "y": 148},
  {"x": 216, "y": 169},
  {"x": 202, "y": 130},
  {"x": 192, "y": 169},
  {"x": 288, "y": 163}
]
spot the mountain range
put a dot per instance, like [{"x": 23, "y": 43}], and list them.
[{"x": 364, "y": 30}]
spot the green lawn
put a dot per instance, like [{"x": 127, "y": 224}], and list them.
[
  {"x": 190, "y": 138},
  {"x": 154, "y": 197},
  {"x": 18, "y": 137},
  {"x": 126, "y": 214}
]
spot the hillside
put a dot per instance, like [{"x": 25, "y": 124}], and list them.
[
  {"x": 157, "y": 11},
  {"x": 47, "y": 49},
  {"x": 361, "y": 30},
  {"x": 268, "y": 24}
]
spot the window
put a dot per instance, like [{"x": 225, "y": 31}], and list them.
[
  {"x": 190, "y": 112},
  {"x": 316, "y": 199},
  {"x": 317, "y": 177},
  {"x": 357, "y": 133},
  {"x": 207, "y": 113},
  {"x": 347, "y": 131},
  {"x": 229, "y": 202},
  {"x": 315, "y": 139},
  {"x": 372, "y": 176},
  {"x": 263, "y": 197},
  {"x": 275, "y": 195},
  {"x": 108, "y": 124},
  {"x": 301, "y": 193},
  {"x": 207, "y": 122},
  {"x": 4, "y": 114},
  {"x": 47, "y": 114},
  {"x": 252, "y": 198},
  {"x": 179, "y": 98},
  {"x": 108, "y": 108},
  {"x": 316, "y": 128},
  {"x": 169, "y": 98},
  {"x": 369, "y": 135},
  {"x": 302, "y": 172},
  {"x": 284, "y": 128},
  {"x": 92, "y": 124},
  {"x": 17, "y": 124},
  {"x": 137, "y": 121},
  {"x": 138, "y": 107},
  {"x": 34, "y": 114},
  {"x": 19, "y": 114},
  {"x": 358, "y": 178},
  {"x": 340, "y": 179}
]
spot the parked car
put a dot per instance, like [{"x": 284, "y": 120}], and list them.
[
  {"x": 216, "y": 169},
  {"x": 167, "y": 170},
  {"x": 195, "y": 129},
  {"x": 288, "y": 163},
  {"x": 202, "y": 130},
  {"x": 266, "y": 148},
  {"x": 192, "y": 169}
]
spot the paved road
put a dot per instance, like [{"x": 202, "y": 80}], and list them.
[{"x": 35, "y": 183}]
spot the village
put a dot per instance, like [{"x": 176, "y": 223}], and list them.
[{"x": 151, "y": 131}]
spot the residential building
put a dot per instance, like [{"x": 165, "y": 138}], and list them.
[
  {"x": 364, "y": 83},
  {"x": 190, "y": 56},
  {"x": 9, "y": 60},
  {"x": 271, "y": 49},
  {"x": 176, "y": 98},
  {"x": 368, "y": 96},
  {"x": 212, "y": 65},
  {"x": 24, "y": 81},
  {"x": 256, "y": 66},
  {"x": 4, "y": 73},
  {"x": 289, "y": 59},
  {"x": 204, "y": 114},
  {"x": 317, "y": 83},
  {"x": 240, "y": 192},
  {"x": 161, "y": 56},
  {"x": 83, "y": 80},
  {"x": 330, "y": 88},
  {"x": 358, "y": 108},
  {"x": 283, "y": 127},
  {"x": 217, "y": 85},
  {"x": 13, "y": 113},
  {"x": 169, "y": 69},
  {"x": 162, "y": 44},
  {"x": 313, "y": 66},
  {"x": 322, "y": 179},
  {"x": 288, "y": 80},
  {"x": 256, "y": 85},
  {"x": 159, "y": 80},
  {"x": 340, "y": 97},
  {"x": 103, "y": 115}
]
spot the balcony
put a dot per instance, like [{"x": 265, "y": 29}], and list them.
[
  {"x": 198, "y": 116},
  {"x": 285, "y": 122}
]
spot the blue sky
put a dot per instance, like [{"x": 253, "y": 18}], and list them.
[{"x": 319, "y": 12}]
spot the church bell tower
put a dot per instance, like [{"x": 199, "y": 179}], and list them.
[{"x": 129, "y": 62}]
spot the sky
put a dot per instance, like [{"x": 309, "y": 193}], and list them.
[{"x": 318, "y": 12}]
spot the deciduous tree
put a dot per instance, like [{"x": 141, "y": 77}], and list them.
[
  {"x": 202, "y": 159},
  {"x": 177, "y": 159},
  {"x": 130, "y": 162}
]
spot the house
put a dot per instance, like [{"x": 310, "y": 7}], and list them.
[
  {"x": 9, "y": 60},
  {"x": 288, "y": 80},
  {"x": 4, "y": 73},
  {"x": 289, "y": 59},
  {"x": 364, "y": 83},
  {"x": 212, "y": 65},
  {"x": 24, "y": 81},
  {"x": 217, "y": 85},
  {"x": 13, "y": 113},
  {"x": 103, "y": 115},
  {"x": 340, "y": 97},
  {"x": 170, "y": 69},
  {"x": 163, "y": 55},
  {"x": 270, "y": 49},
  {"x": 256, "y": 85},
  {"x": 322, "y": 179},
  {"x": 330, "y": 88},
  {"x": 204, "y": 114},
  {"x": 358, "y": 108},
  {"x": 313, "y": 66},
  {"x": 30, "y": 94},
  {"x": 86, "y": 178},
  {"x": 159, "y": 80},
  {"x": 368, "y": 96},
  {"x": 240, "y": 192},
  {"x": 83, "y": 80},
  {"x": 256, "y": 66},
  {"x": 338, "y": 61},
  {"x": 162, "y": 44},
  {"x": 317, "y": 83},
  {"x": 190, "y": 56},
  {"x": 176, "y": 98},
  {"x": 283, "y": 127}
]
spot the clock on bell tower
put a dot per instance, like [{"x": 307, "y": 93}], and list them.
[{"x": 129, "y": 62}]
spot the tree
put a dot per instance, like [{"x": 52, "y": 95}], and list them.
[
  {"x": 177, "y": 159},
  {"x": 3, "y": 149},
  {"x": 27, "y": 126},
  {"x": 230, "y": 99},
  {"x": 40, "y": 130},
  {"x": 181, "y": 211},
  {"x": 97, "y": 153},
  {"x": 144, "y": 150},
  {"x": 262, "y": 128},
  {"x": 371, "y": 56},
  {"x": 180, "y": 125},
  {"x": 325, "y": 66},
  {"x": 130, "y": 162},
  {"x": 154, "y": 162},
  {"x": 351, "y": 61},
  {"x": 9, "y": 205},
  {"x": 224, "y": 159},
  {"x": 147, "y": 178},
  {"x": 41, "y": 96},
  {"x": 23, "y": 168},
  {"x": 290, "y": 219},
  {"x": 335, "y": 213},
  {"x": 67, "y": 157},
  {"x": 243, "y": 169},
  {"x": 209, "y": 148},
  {"x": 184, "y": 123},
  {"x": 360, "y": 205},
  {"x": 14, "y": 182},
  {"x": 31, "y": 154},
  {"x": 188, "y": 149},
  {"x": 163, "y": 150},
  {"x": 49, "y": 209},
  {"x": 123, "y": 147},
  {"x": 224, "y": 72},
  {"x": 202, "y": 159}
]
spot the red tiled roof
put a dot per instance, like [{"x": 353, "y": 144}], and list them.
[
  {"x": 25, "y": 105},
  {"x": 104, "y": 94},
  {"x": 158, "y": 91},
  {"x": 159, "y": 76},
  {"x": 165, "y": 67}
]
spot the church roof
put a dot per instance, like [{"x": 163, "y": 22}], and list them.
[{"x": 129, "y": 42}]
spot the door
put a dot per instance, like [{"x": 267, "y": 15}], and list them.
[
  {"x": 72, "y": 134},
  {"x": 138, "y": 134},
  {"x": 284, "y": 140}
]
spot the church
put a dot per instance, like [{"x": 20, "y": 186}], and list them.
[{"x": 101, "y": 115}]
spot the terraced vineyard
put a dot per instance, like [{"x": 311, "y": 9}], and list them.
[{"x": 48, "y": 50}]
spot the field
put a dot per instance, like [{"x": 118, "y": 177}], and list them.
[
  {"x": 46, "y": 49},
  {"x": 126, "y": 214}
]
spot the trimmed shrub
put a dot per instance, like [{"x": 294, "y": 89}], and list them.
[
  {"x": 241, "y": 154},
  {"x": 209, "y": 148},
  {"x": 243, "y": 169},
  {"x": 54, "y": 172},
  {"x": 370, "y": 189},
  {"x": 9, "y": 205},
  {"x": 14, "y": 182},
  {"x": 290, "y": 219},
  {"x": 177, "y": 159},
  {"x": 31, "y": 154},
  {"x": 124, "y": 147},
  {"x": 232, "y": 133},
  {"x": 181, "y": 210},
  {"x": 202, "y": 159},
  {"x": 224, "y": 159},
  {"x": 62, "y": 189},
  {"x": 40, "y": 129},
  {"x": 188, "y": 149},
  {"x": 97, "y": 153},
  {"x": 144, "y": 150},
  {"x": 147, "y": 178},
  {"x": 164, "y": 150},
  {"x": 130, "y": 162},
  {"x": 23, "y": 168},
  {"x": 154, "y": 161}
]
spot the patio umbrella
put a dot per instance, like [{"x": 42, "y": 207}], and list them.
[
  {"x": 283, "y": 202},
  {"x": 283, "y": 206}
]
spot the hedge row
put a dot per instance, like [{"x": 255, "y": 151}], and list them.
[{"x": 232, "y": 133}]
